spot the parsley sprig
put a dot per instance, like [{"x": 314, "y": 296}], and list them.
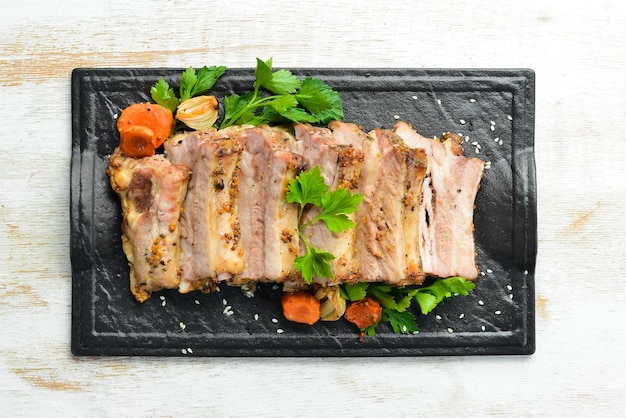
[
  {"x": 192, "y": 83},
  {"x": 291, "y": 99},
  {"x": 309, "y": 188},
  {"x": 396, "y": 301}
]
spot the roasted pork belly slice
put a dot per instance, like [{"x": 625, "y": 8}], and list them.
[
  {"x": 446, "y": 213},
  {"x": 151, "y": 191},
  {"x": 340, "y": 166},
  {"x": 269, "y": 234},
  {"x": 210, "y": 237},
  {"x": 391, "y": 210}
]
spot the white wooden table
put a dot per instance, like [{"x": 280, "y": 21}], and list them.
[{"x": 578, "y": 51}]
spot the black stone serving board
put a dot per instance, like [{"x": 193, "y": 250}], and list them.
[{"x": 498, "y": 317}]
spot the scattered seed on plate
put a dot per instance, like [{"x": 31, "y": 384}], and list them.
[
  {"x": 256, "y": 316},
  {"x": 493, "y": 128},
  {"x": 450, "y": 330},
  {"x": 481, "y": 303},
  {"x": 438, "y": 317},
  {"x": 228, "y": 310},
  {"x": 274, "y": 320},
  {"x": 189, "y": 350},
  {"x": 462, "y": 121},
  {"x": 525, "y": 272},
  {"x": 509, "y": 117},
  {"x": 182, "y": 325},
  {"x": 500, "y": 142},
  {"x": 414, "y": 97},
  {"x": 396, "y": 117},
  {"x": 509, "y": 287},
  {"x": 491, "y": 122},
  {"x": 224, "y": 302},
  {"x": 497, "y": 312},
  {"x": 489, "y": 271},
  {"x": 510, "y": 295},
  {"x": 438, "y": 101},
  {"x": 472, "y": 100},
  {"x": 462, "y": 316},
  {"x": 483, "y": 328},
  {"x": 482, "y": 273},
  {"x": 184, "y": 351},
  {"x": 279, "y": 331},
  {"x": 196, "y": 301}
]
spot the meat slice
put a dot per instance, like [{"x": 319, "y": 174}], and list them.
[
  {"x": 210, "y": 242},
  {"x": 151, "y": 191},
  {"x": 340, "y": 166},
  {"x": 446, "y": 213},
  {"x": 269, "y": 234}
]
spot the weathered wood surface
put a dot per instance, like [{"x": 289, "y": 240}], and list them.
[{"x": 578, "y": 50}]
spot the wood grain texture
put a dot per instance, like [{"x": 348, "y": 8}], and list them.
[{"x": 578, "y": 51}]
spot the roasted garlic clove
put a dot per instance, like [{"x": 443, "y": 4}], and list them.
[
  {"x": 332, "y": 304},
  {"x": 199, "y": 113}
]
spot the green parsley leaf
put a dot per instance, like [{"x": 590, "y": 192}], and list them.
[
  {"x": 429, "y": 297},
  {"x": 401, "y": 322},
  {"x": 336, "y": 205},
  {"x": 322, "y": 101},
  {"x": 282, "y": 82},
  {"x": 164, "y": 95},
  {"x": 187, "y": 80},
  {"x": 308, "y": 187},
  {"x": 262, "y": 73},
  {"x": 206, "y": 79},
  {"x": 314, "y": 263},
  {"x": 282, "y": 103},
  {"x": 355, "y": 291}
]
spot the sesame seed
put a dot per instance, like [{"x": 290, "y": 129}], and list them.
[
  {"x": 228, "y": 310},
  {"x": 450, "y": 330},
  {"x": 162, "y": 297},
  {"x": 474, "y": 143},
  {"x": 256, "y": 316},
  {"x": 500, "y": 142},
  {"x": 477, "y": 150},
  {"x": 438, "y": 317},
  {"x": 493, "y": 128},
  {"x": 196, "y": 301},
  {"x": 115, "y": 116},
  {"x": 182, "y": 325},
  {"x": 483, "y": 328},
  {"x": 217, "y": 289},
  {"x": 525, "y": 272},
  {"x": 509, "y": 117},
  {"x": 274, "y": 320},
  {"x": 467, "y": 139},
  {"x": 462, "y": 316},
  {"x": 482, "y": 273},
  {"x": 279, "y": 331},
  {"x": 497, "y": 312},
  {"x": 184, "y": 351},
  {"x": 511, "y": 296},
  {"x": 396, "y": 117},
  {"x": 414, "y": 97},
  {"x": 481, "y": 303},
  {"x": 462, "y": 121},
  {"x": 189, "y": 350},
  {"x": 509, "y": 287},
  {"x": 496, "y": 139},
  {"x": 492, "y": 122},
  {"x": 489, "y": 271},
  {"x": 438, "y": 101},
  {"x": 224, "y": 302},
  {"x": 472, "y": 100},
  {"x": 404, "y": 329}
]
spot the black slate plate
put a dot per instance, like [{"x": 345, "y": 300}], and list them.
[{"x": 497, "y": 318}]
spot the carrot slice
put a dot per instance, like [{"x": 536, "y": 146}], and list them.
[
  {"x": 301, "y": 307},
  {"x": 157, "y": 118},
  {"x": 364, "y": 313},
  {"x": 137, "y": 141}
]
